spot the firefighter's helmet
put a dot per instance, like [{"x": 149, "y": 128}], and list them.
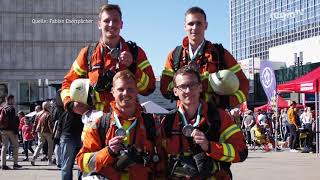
[
  {"x": 79, "y": 90},
  {"x": 224, "y": 82}
]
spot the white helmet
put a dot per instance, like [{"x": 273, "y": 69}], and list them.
[
  {"x": 224, "y": 82},
  {"x": 79, "y": 90}
]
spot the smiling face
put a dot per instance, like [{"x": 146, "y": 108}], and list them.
[
  {"x": 110, "y": 24},
  {"x": 125, "y": 93},
  {"x": 187, "y": 88},
  {"x": 195, "y": 27}
]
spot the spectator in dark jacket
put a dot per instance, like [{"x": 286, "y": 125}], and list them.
[
  {"x": 10, "y": 134},
  {"x": 71, "y": 127}
]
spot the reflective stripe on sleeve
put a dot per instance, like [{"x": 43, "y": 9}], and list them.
[
  {"x": 65, "y": 93},
  {"x": 227, "y": 133},
  {"x": 240, "y": 96},
  {"x": 228, "y": 152},
  {"x": 99, "y": 106},
  {"x": 143, "y": 65},
  {"x": 143, "y": 83},
  {"x": 204, "y": 75},
  {"x": 170, "y": 86},
  {"x": 97, "y": 96},
  {"x": 76, "y": 68},
  {"x": 87, "y": 162},
  {"x": 236, "y": 68},
  {"x": 168, "y": 72}
]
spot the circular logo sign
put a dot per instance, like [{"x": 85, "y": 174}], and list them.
[{"x": 267, "y": 77}]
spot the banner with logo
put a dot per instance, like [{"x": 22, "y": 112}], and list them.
[{"x": 267, "y": 79}]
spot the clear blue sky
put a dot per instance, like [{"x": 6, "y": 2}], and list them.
[{"x": 157, "y": 26}]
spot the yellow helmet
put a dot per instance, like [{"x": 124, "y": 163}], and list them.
[
  {"x": 224, "y": 82},
  {"x": 79, "y": 90}
]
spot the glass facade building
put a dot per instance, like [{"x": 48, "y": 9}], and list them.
[{"x": 257, "y": 25}]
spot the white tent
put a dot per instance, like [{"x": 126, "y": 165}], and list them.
[{"x": 152, "y": 107}]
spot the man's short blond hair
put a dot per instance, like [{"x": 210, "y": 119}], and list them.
[
  {"x": 125, "y": 74},
  {"x": 110, "y": 7}
]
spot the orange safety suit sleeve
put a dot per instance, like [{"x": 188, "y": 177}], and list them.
[
  {"x": 232, "y": 145},
  {"x": 79, "y": 69},
  {"x": 93, "y": 157},
  {"x": 146, "y": 81},
  {"x": 242, "y": 94},
  {"x": 166, "y": 81}
]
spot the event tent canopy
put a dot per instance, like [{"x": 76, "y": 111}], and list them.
[
  {"x": 282, "y": 103},
  {"x": 308, "y": 83}
]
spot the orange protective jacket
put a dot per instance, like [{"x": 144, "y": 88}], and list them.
[
  {"x": 208, "y": 64},
  {"x": 93, "y": 157},
  {"x": 144, "y": 74},
  {"x": 230, "y": 148}
]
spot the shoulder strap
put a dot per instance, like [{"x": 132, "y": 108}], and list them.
[
  {"x": 134, "y": 50},
  {"x": 168, "y": 123},
  {"x": 176, "y": 57},
  {"x": 214, "y": 123},
  {"x": 220, "y": 48},
  {"x": 103, "y": 128},
  {"x": 150, "y": 126},
  {"x": 90, "y": 50}
]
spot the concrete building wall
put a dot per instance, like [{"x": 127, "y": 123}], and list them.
[
  {"x": 309, "y": 47},
  {"x": 41, "y": 39}
]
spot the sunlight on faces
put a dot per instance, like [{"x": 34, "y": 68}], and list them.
[
  {"x": 187, "y": 88},
  {"x": 110, "y": 24},
  {"x": 195, "y": 27},
  {"x": 125, "y": 92}
]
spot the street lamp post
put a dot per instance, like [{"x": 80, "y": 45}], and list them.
[{"x": 298, "y": 63}]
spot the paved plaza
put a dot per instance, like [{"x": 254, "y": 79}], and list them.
[{"x": 259, "y": 165}]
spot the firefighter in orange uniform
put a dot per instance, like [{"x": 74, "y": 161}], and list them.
[
  {"x": 101, "y": 61},
  {"x": 200, "y": 141},
  {"x": 128, "y": 151},
  {"x": 207, "y": 57}
]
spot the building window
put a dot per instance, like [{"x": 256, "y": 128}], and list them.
[
  {"x": 28, "y": 93},
  {"x": 3, "y": 92}
]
